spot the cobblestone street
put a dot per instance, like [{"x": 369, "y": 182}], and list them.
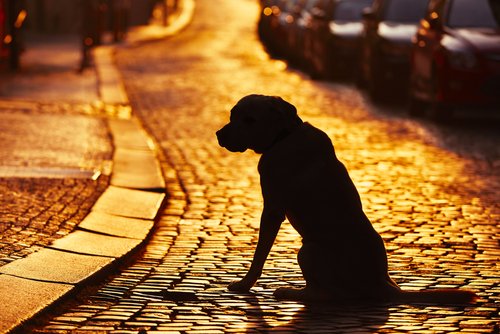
[{"x": 432, "y": 195}]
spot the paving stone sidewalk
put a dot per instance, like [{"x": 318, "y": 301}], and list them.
[
  {"x": 62, "y": 137},
  {"x": 55, "y": 156}
]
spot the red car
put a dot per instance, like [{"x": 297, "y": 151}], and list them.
[
  {"x": 12, "y": 16},
  {"x": 388, "y": 29},
  {"x": 336, "y": 37},
  {"x": 3, "y": 35},
  {"x": 455, "y": 59}
]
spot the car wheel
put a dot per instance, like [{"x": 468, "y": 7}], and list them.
[
  {"x": 359, "y": 78},
  {"x": 316, "y": 71},
  {"x": 416, "y": 107},
  {"x": 441, "y": 113},
  {"x": 376, "y": 88}
]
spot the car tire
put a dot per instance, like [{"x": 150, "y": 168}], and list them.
[
  {"x": 376, "y": 88},
  {"x": 359, "y": 79},
  {"x": 416, "y": 107},
  {"x": 441, "y": 113},
  {"x": 316, "y": 71}
]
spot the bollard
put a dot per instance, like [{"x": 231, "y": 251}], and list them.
[{"x": 90, "y": 29}]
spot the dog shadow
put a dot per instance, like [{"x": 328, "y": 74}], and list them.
[{"x": 291, "y": 317}]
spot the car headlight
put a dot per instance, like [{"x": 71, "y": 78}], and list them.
[{"x": 462, "y": 59}]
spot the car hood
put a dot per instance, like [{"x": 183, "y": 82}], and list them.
[
  {"x": 481, "y": 39},
  {"x": 397, "y": 32},
  {"x": 346, "y": 29}
]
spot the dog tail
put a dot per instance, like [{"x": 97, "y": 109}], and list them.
[{"x": 438, "y": 296}]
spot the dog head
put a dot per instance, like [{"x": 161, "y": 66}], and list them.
[{"x": 257, "y": 122}]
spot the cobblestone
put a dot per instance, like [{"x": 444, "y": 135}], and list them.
[
  {"x": 37, "y": 209},
  {"x": 437, "y": 210},
  {"x": 35, "y": 212}
]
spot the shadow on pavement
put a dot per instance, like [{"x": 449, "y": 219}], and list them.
[{"x": 293, "y": 317}]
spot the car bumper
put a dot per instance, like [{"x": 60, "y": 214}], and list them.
[
  {"x": 395, "y": 70},
  {"x": 344, "y": 50},
  {"x": 470, "y": 88}
]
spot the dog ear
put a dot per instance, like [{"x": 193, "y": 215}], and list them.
[
  {"x": 279, "y": 108},
  {"x": 287, "y": 111},
  {"x": 284, "y": 107}
]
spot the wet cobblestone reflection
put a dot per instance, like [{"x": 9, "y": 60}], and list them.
[{"x": 437, "y": 212}]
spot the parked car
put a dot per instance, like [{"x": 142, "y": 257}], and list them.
[
  {"x": 320, "y": 6},
  {"x": 268, "y": 20},
  {"x": 336, "y": 37},
  {"x": 388, "y": 28},
  {"x": 299, "y": 29},
  {"x": 12, "y": 17},
  {"x": 286, "y": 14},
  {"x": 4, "y": 54},
  {"x": 456, "y": 56}
]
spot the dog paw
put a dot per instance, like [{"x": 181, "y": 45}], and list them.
[{"x": 240, "y": 286}]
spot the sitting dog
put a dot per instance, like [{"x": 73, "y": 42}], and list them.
[{"x": 342, "y": 257}]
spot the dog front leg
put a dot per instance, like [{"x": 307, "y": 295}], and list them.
[{"x": 269, "y": 226}]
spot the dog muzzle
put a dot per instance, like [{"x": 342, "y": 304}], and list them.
[{"x": 229, "y": 139}]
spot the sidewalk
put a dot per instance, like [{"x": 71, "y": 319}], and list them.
[{"x": 80, "y": 185}]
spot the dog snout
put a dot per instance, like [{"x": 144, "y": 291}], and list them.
[
  {"x": 229, "y": 139},
  {"x": 222, "y": 136}
]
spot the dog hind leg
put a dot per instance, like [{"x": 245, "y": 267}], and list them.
[{"x": 320, "y": 279}]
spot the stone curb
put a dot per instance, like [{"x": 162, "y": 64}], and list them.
[
  {"x": 111, "y": 88},
  {"x": 119, "y": 221},
  {"x": 118, "y": 224}
]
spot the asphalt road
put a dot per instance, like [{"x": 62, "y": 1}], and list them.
[{"x": 430, "y": 190}]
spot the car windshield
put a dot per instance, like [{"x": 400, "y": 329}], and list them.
[
  {"x": 407, "y": 11},
  {"x": 350, "y": 10},
  {"x": 477, "y": 13}
]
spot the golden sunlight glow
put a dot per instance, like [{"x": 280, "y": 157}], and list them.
[
  {"x": 20, "y": 19},
  {"x": 158, "y": 13},
  {"x": 7, "y": 39},
  {"x": 267, "y": 11},
  {"x": 280, "y": 65},
  {"x": 425, "y": 24}
]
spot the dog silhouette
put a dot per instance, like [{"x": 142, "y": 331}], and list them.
[{"x": 342, "y": 257}]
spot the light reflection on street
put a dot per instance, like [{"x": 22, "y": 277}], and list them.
[{"x": 436, "y": 209}]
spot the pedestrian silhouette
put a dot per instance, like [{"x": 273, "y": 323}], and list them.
[{"x": 342, "y": 257}]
